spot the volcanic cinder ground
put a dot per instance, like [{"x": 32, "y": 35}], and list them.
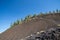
[{"x": 36, "y": 24}]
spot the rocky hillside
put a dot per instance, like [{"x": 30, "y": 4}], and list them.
[
  {"x": 51, "y": 34},
  {"x": 33, "y": 25}
]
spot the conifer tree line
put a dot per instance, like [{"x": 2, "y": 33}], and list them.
[{"x": 27, "y": 18}]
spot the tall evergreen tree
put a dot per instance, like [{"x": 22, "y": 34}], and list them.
[
  {"x": 34, "y": 15},
  {"x": 27, "y": 18},
  {"x": 22, "y": 20},
  {"x": 41, "y": 14},
  {"x": 17, "y": 21},
  {"x": 50, "y": 12},
  {"x": 53, "y": 12},
  {"x": 57, "y": 11}
]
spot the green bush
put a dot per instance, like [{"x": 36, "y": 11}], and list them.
[
  {"x": 41, "y": 14},
  {"x": 15, "y": 23},
  {"x": 27, "y": 18},
  {"x": 34, "y": 15}
]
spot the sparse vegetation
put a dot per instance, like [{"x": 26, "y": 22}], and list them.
[
  {"x": 32, "y": 24},
  {"x": 53, "y": 11},
  {"x": 34, "y": 15},
  {"x": 29, "y": 17},
  {"x": 41, "y": 14},
  {"x": 57, "y": 11},
  {"x": 50, "y": 12}
]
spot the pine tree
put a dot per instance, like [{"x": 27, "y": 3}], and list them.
[
  {"x": 27, "y": 18},
  {"x": 14, "y": 23},
  {"x": 50, "y": 12},
  {"x": 57, "y": 11},
  {"x": 41, "y": 14},
  {"x": 17, "y": 21},
  {"x": 53, "y": 12},
  {"x": 34, "y": 15},
  {"x": 22, "y": 20}
]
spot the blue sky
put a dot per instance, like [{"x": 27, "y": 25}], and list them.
[{"x": 11, "y": 10}]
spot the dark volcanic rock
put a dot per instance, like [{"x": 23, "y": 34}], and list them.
[{"x": 51, "y": 34}]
